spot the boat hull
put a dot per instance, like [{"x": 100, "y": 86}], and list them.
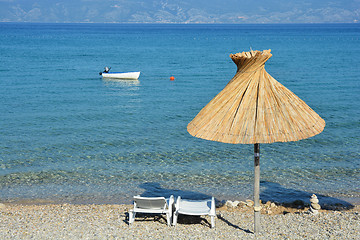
[{"x": 122, "y": 75}]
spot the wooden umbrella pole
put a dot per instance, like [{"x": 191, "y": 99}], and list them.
[{"x": 257, "y": 207}]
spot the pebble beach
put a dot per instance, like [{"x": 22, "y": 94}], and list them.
[{"x": 69, "y": 221}]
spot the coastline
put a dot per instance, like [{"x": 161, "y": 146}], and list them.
[
  {"x": 126, "y": 198},
  {"x": 90, "y": 221}
]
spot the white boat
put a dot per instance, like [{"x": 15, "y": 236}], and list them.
[{"x": 121, "y": 75}]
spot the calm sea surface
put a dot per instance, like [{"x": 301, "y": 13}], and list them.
[{"x": 66, "y": 135}]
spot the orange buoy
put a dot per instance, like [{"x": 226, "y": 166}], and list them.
[{"x": 172, "y": 78}]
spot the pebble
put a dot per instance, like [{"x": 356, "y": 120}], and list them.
[
  {"x": 232, "y": 204},
  {"x": 249, "y": 203},
  {"x": 316, "y": 206},
  {"x": 110, "y": 222},
  {"x": 269, "y": 212}
]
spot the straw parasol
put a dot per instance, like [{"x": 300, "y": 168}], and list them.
[{"x": 254, "y": 108}]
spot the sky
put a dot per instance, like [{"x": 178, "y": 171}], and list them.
[{"x": 184, "y": 11}]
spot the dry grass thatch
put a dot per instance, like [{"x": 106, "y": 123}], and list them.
[{"x": 255, "y": 108}]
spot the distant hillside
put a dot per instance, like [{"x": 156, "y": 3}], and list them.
[{"x": 185, "y": 11}]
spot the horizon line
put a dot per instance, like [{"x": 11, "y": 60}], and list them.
[{"x": 184, "y": 23}]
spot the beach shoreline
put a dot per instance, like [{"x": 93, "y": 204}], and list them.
[
  {"x": 327, "y": 200},
  {"x": 110, "y": 221}
]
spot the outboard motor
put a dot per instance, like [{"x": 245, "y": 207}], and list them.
[{"x": 107, "y": 69}]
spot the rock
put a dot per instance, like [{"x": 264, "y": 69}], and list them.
[
  {"x": 232, "y": 204},
  {"x": 2, "y": 206},
  {"x": 249, "y": 203},
  {"x": 316, "y": 206},
  {"x": 268, "y": 212},
  {"x": 272, "y": 205},
  {"x": 314, "y": 199},
  {"x": 313, "y": 211},
  {"x": 241, "y": 204}
]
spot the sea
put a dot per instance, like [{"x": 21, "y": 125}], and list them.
[{"x": 69, "y": 136}]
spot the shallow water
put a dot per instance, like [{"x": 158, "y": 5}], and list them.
[{"x": 66, "y": 135}]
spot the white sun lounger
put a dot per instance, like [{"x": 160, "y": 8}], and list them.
[
  {"x": 195, "y": 208},
  {"x": 156, "y": 205}
]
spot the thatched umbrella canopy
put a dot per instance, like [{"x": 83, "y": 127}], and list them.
[{"x": 254, "y": 108}]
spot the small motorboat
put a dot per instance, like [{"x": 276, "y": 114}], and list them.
[
  {"x": 120, "y": 75},
  {"x": 123, "y": 75}
]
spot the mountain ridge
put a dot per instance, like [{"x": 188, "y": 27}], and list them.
[{"x": 187, "y": 11}]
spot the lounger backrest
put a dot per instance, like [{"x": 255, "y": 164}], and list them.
[
  {"x": 196, "y": 205},
  {"x": 150, "y": 202}
]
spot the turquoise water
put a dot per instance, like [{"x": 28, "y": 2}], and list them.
[{"x": 66, "y": 135}]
